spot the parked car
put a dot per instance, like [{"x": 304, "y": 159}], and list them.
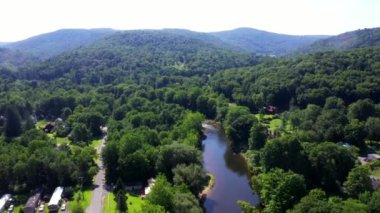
[
  {"x": 63, "y": 207},
  {"x": 10, "y": 208},
  {"x": 41, "y": 207}
]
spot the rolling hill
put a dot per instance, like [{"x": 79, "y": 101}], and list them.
[
  {"x": 346, "y": 41},
  {"x": 262, "y": 42},
  {"x": 125, "y": 53},
  {"x": 53, "y": 43}
]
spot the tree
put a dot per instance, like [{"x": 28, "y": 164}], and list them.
[
  {"x": 372, "y": 126},
  {"x": 238, "y": 124},
  {"x": 13, "y": 123},
  {"x": 330, "y": 163},
  {"x": 361, "y": 110},
  {"x": 374, "y": 202},
  {"x": 170, "y": 156},
  {"x": 193, "y": 176},
  {"x": 148, "y": 207},
  {"x": 80, "y": 133},
  {"x": 354, "y": 133},
  {"x": 315, "y": 201},
  {"x": 162, "y": 193},
  {"x": 246, "y": 207},
  {"x": 257, "y": 136},
  {"x": 121, "y": 201},
  {"x": 358, "y": 181},
  {"x": 285, "y": 152},
  {"x": 185, "y": 202},
  {"x": 279, "y": 190}
]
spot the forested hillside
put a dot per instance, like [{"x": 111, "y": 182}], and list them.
[
  {"x": 303, "y": 80},
  {"x": 300, "y": 122},
  {"x": 346, "y": 41},
  {"x": 124, "y": 55},
  {"x": 262, "y": 42},
  {"x": 51, "y": 44}
]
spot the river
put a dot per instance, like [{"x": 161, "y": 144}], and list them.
[{"x": 230, "y": 171}]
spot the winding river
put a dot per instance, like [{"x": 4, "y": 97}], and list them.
[{"x": 230, "y": 171}]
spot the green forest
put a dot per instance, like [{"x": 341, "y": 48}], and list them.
[{"x": 154, "y": 89}]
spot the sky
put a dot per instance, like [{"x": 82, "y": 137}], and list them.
[{"x": 20, "y": 19}]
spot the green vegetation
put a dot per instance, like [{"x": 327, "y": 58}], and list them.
[
  {"x": 96, "y": 143},
  {"x": 80, "y": 199},
  {"x": 356, "y": 39},
  {"x": 153, "y": 90},
  {"x": 135, "y": 204}
]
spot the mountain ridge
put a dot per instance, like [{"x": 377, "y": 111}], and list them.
[
  {"x": 361, "y": 38},
  {"x": 53, "y": 43}
]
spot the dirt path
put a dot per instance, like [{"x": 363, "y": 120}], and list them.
[{"x": 99, "y": 192}]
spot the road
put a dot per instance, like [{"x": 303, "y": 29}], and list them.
[{"x": 99, "y": 192}]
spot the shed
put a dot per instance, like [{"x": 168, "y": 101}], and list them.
[
  {"x": 4, "y": 201},
  {"x": 55, "y": 198},
  {"x": 32, "y": 203},
  {"x": 48, "y": 128}
]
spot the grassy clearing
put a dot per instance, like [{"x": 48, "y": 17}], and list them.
[
  {"x": 61, "y": 141},
  {"x": 84, "y": 202},
  {"x": 275, "y": 125},
  {"x": 134, "y": 204}
]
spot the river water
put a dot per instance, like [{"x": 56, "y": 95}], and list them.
[{"x": 230, "y": 171}]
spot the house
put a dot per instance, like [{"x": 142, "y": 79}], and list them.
[
  {"x": 148, "y": 189},
  {"x": 32, "y": 203},
  {"x": 271, "y": 109},
  {"x": 134, "y": 186},
  {"x": 48, "y": 128},
  {"x": 4, "y": 201},
  {"x": 55, "y": 198},
  {"x": 369, "y": 158}
]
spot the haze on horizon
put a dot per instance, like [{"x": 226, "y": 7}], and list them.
[{"x": 20, "y": 19}]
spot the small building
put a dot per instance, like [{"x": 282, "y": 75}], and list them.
[
  {"x": 48, "y": 128},
  {"x": 55, "y": 198},
  {"x": 4, "y": 201},
  {"x": 32, "y": 203}
]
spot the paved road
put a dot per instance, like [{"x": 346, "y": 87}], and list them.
[{"x": 100, "y": 192}]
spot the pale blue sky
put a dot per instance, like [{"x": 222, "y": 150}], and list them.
[{"x": 20, "y": 19}]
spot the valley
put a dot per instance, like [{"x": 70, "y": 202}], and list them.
[{"x": 295, "y": 121}]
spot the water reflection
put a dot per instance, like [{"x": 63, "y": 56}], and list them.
[{"x": 230, "y": 171}]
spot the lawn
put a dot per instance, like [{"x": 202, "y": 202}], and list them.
[
  {"x": 134, "y": 204},
  {"x": 84, "y": 202},
  {"x": 275, "y": 125},
  {"x": 61, "y": 141}
]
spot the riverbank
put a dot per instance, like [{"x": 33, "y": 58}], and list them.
[
  {"x": 208, "y": 188},
  {"x": 230, "y": 171}
]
